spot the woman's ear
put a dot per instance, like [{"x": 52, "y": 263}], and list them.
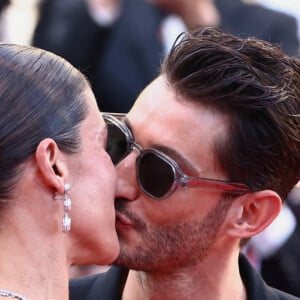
[
  {"x": 51, "y": 167},
  {"x": 252, "y": 213}
]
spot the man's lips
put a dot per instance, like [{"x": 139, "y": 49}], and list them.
[{"x": 120, "y": 218}]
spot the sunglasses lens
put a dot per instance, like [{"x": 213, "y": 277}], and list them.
[
  {"x": 116, "y": 145},
  {"x": 155, "y": 175}
]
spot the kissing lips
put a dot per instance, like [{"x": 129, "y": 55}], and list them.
[{"x": 122, "y": 220}]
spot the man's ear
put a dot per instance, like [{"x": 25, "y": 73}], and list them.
[
  {"x": 51, "y": 168},
  {"x": 252, "y": 213}
]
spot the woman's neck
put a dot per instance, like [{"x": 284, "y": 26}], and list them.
[{"x": 33, "y": 264}]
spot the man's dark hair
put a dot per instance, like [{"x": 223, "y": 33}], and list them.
[{"x": 258, "y": 87}]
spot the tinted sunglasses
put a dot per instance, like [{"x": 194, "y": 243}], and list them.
[{"x": 158, "y": 175}]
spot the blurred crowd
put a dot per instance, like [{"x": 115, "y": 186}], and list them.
[{"x": 119, "y": 45}]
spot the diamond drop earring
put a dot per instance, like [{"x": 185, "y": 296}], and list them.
[{"x": 66, "y": 222}]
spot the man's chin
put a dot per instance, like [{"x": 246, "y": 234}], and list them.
[{"x": 125, "y": 263}]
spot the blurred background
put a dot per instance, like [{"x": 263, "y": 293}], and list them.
[
  {"x": 119, "y": 45},
  {"x": 19, "y": 17},
  {"x": 122, "y": 42}
]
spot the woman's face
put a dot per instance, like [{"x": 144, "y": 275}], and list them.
[{"x": 92, "y": 178}]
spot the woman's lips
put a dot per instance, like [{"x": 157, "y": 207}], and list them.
[{"x": 122, "y": 219}]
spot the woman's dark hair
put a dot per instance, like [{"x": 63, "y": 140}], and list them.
[
  {"x": 41, "y": 96},
  {"x": 258, "y": 87}
]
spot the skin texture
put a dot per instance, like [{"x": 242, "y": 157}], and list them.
[
  {"x": 93, "y": 179},
  {"x": 174, "y": 242},
  {"x": 37, "y": 253},
  {"x": 161, "y": 228}
]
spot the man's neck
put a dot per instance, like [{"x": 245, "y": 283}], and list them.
[{"x": 197, "y": 282}]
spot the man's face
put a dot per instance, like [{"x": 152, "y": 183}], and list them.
[{"x": 183, "y": 228}]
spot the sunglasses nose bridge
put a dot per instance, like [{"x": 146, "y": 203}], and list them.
[{"x": 136, "y": 147}]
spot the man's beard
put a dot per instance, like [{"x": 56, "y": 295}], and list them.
[{"x": 160, "y": 248}]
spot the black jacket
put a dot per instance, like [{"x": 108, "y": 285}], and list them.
[
  {"x": 119, "y": 60},
  {"x": 122, "y": 59},
  {"x": 245, "y": 20},
  {"x": 109, "y": 285}
]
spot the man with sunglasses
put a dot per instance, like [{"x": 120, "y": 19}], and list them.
[{"x": 205, "y": 158}]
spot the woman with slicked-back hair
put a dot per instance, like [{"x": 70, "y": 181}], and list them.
[{"x": 56, "y": 180}]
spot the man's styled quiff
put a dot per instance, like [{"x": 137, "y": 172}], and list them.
[{"x": 257, "y": 86}]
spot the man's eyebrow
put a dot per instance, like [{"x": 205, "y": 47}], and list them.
[{"x": 182, "y": 161}]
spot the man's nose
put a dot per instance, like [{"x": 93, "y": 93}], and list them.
[{"x": 127, "y": 186}]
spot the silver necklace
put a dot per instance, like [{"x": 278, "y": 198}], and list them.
[{"x": 7, "y": 293}]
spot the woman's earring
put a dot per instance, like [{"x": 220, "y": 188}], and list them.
[{"x": 66, "y": 222}]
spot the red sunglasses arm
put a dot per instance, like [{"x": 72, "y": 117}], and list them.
[{"x": 217, "y": 185}]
